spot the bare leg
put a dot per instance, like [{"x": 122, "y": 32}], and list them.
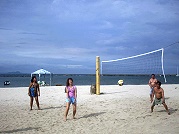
[
  {"x": 74, "y": 110},
  {"x": 31, "y": 102},
  {"x": 66, "y": 111},
  {"x": 151, "y": 98},
  {"x": 166, "y": 108},
  {"x": 37, "y": 102},
  {"x": 151, "y": 92},
  {"x": 152, "y": 108}
]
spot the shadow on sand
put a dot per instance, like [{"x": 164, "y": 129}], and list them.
[
  {"x": 92, "y": 115},
  {"x": 113, "y": 92},
  {"x": 166, "y": 98},
  {"x": 20, "y": 130},
  {"x": 171, "y": 110},
  {"x": 47, "y": 108}
]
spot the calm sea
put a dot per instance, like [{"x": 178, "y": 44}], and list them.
[{"x": 23, "y": 80}]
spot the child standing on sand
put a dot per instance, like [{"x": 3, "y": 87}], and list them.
[
  {"x": 71, "y": 95},
  {"x": 152, "y": 83},
  {"x": 34, "y": 92},
  {"x": 159, "y": 97}
]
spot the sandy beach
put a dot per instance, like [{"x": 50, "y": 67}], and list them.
[{"x": 119, "y": 109}]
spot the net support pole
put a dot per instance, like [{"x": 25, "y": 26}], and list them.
[
  {"x": 50, "y": 79},
  {"x": 163, "y": 67},
  {"x": 97, "y": 75}
]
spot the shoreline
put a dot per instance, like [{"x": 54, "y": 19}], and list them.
[
  {"x": 93, "y": 84},
  {"x": 87, "y": 80}
]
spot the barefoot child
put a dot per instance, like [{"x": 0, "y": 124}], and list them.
[
  {"x": 71, "y": 95},
  {"x": 152, "y": 83},
  {"x": 34, "y": 92},
  {"x": 159, "y": 97}
]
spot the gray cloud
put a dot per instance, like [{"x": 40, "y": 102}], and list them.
[
  {"x": 31, "y": 33},
  {"x": 59, "y": 33},
  {"x": 2, "y": 28}
]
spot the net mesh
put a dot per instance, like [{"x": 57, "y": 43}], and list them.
[{"x": 147, "y": 63}]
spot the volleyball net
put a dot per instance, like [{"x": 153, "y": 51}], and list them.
[{"x": 142, "y": 64}]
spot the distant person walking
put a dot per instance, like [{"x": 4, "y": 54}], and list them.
[
  {"x": 71, "y": 96},
  {"x": 159, "y": 97},
  {"x": 34, "y": 92},
  {"x": 152, "y": 83}
]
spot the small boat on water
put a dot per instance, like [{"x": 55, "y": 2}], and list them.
[{"x": 7, "y": 82}]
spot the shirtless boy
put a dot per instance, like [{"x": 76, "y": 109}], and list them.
[
  {"x": 152, "y": 83},
  {"x": 159, "y": 97}
]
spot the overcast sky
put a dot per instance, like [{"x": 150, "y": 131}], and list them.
[{"x": 65, "y": 36}]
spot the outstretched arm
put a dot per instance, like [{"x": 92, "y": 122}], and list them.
[
  {"x": 67, "y": 92},
  {"x": 29, "y": 89},
  {"x": 149, "y": 83},
  {"x": 75, "y": 92},
  {"x": 163, "y": 98},
  {"x": 38, "y": 89}
]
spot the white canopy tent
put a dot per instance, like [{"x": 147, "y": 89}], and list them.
[{"x": 42, "y": 71}]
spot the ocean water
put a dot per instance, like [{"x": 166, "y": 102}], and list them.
[{"x": 23, "y": 80}]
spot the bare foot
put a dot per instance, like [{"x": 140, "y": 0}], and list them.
[
  {"x": 151, "y": 111},
  {"x": 168, "y": 113},
  {"x": 65, "y": 119},
  {"x": 74, "y": 117}
]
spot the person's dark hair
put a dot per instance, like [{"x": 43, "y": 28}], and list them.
[
  {"x": 33, "y": 78},
  {"x": 153, "y": 74},
  {"x": 67, "y": 83},
  {"x": 158, "y": 83}
]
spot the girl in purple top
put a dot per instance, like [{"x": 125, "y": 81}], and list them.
[{"x": 71, "y": 92}]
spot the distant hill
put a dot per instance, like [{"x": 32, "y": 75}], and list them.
[{"x": 17, "y": 72}]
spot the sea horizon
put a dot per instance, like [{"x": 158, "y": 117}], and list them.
[{"x": 23, "y": 80}]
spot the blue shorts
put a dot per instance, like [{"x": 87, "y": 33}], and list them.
[{"x": 71, "y": 100}]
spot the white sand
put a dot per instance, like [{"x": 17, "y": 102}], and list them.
[{"x": 123, "y": 110}]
